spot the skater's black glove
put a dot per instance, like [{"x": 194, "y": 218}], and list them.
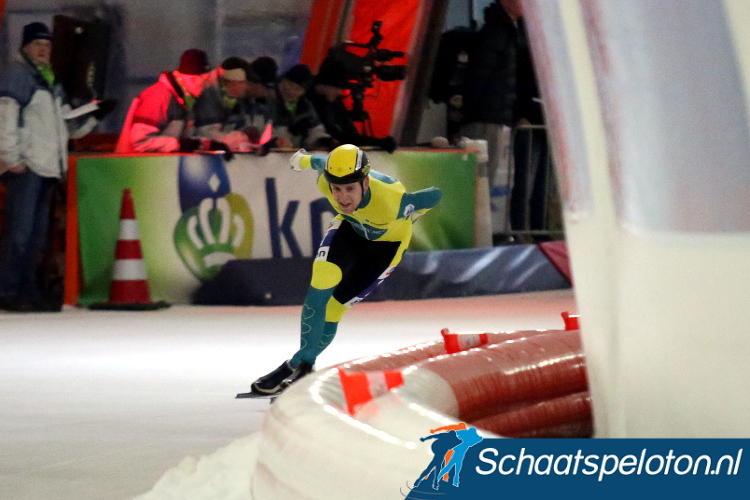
[{"x": 105, "y": 107}]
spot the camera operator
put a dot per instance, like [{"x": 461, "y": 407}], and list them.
[{"x": 326, "y": 95}]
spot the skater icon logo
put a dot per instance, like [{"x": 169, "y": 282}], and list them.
[{"x": 443, "y": 474}]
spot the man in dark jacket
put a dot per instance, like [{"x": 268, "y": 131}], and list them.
[
  {"x": 528, "y": 201},
  {"x": 501, "y": 93},
  {"x": 490, "y": 88}
]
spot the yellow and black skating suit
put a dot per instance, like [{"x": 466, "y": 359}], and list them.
[{"x": 357, "y": 253}]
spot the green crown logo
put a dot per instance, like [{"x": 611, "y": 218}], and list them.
[{"x": 213, "y": 233}]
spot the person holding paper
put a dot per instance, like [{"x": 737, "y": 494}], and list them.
[{"x": 34, "y": 136}]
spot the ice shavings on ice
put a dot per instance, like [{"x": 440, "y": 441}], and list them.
[{"x": 224, "y": 475}]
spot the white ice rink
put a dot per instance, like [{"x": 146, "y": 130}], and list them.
[{"x": 98, "y": 405}]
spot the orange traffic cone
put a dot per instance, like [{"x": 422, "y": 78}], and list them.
[
  {"x": 457, "y": 342},
  {"x": 571, "y": 320},
  {"x": 129, "y": 289},
  {"x": 359, "y": 388}
]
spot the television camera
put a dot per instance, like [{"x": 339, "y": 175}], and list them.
[{"x": 363, "y": 70}]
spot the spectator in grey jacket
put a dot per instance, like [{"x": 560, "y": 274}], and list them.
[
  {"x": 34, "y": 136},
  {"x": 234, "y": 110}
]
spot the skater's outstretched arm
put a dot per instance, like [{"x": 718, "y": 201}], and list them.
[
  {"x": 301, "y": 160},
  {"x": 419, "y": 202}
]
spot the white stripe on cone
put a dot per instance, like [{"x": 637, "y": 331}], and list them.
[
  {"x": 129, "y": 269},
  {"x": 377, "y": 383},
  {"x": 457, "y": 342},
  {"x": 361, "y": 387},
  {"x": 129, "y": 230}
]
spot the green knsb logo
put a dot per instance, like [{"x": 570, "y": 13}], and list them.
[{"x": 216, "y": 225}]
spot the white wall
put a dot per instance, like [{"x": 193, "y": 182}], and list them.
[{"x": 648, "y": 106}]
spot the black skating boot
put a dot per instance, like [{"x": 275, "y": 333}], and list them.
[
  {"x": 302, "y": 370},
  {"x": 272, "y": 383}
]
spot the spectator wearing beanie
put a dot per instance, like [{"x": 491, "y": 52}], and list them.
[
  {"x": 161, "y": 118},
  {"x": 258, "y": 107},
  {"x": 296, "y": 124},
  {"x": 267, "y": 70},
  {"x": 326, "y": 96},
  {"x": 33, "y": 158}
]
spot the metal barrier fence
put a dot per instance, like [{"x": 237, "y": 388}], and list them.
[{"x": 533, "y": 207}]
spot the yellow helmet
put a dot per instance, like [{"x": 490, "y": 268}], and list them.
[{"x": 346, "y": 164}]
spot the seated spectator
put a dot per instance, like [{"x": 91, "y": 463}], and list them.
[
  {"x": 257, "y": 106},
  {"x": 220, "y": 110},
  {"x": 267, "y": 70},
  {"x": 296, "y": 124},
  {"x": 160, "y": 119},
  {"x": 326, "y": 95}
]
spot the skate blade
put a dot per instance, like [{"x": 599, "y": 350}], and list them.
[{"x": 253, "y": 395}]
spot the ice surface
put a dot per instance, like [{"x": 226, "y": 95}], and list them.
[{"x": 99, "y": 405}]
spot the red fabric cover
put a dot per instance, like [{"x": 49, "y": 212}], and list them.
[
  {"x": 321, "y": 31},
  {"x": 557, "y": 253},
  {"x": 398, "y": 18}
]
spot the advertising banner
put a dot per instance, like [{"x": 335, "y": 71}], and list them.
[{"x": 196, "y": 212}]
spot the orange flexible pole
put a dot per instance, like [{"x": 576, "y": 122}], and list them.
[{"x": 72, "y": 262}]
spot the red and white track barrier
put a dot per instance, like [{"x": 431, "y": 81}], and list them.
[{"x": 525, "y": 384}]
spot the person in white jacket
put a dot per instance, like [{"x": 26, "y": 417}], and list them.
[{"x": 34, "y": 136}]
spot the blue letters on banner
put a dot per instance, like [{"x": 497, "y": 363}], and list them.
[{"x": 276, "y": 230}]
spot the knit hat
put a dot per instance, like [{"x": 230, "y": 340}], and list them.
[
  {"x": 252, "y": 76},
  {"x": 299, "y": 74},
  {"x": 194, "y": 62},
  {"x": 235, "y": 68},
  {"x": 265, "y": 68},
  {"x": 35, "y": 31},
  {"x": 332, "y": 72}
]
